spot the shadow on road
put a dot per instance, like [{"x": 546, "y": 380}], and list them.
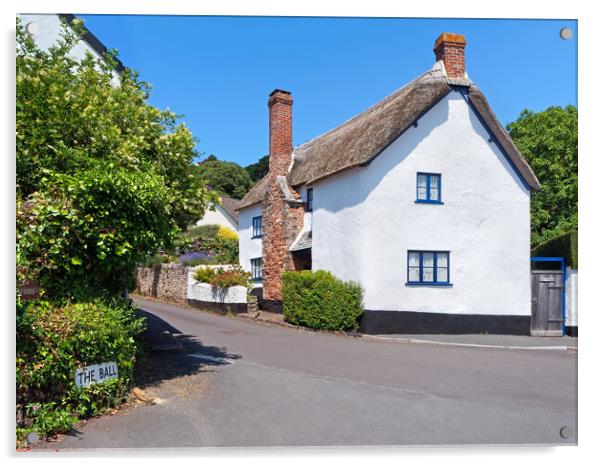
[{"x": 169, "y": 354}]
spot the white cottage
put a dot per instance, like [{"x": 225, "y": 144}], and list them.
[
  {"x": 222, "y": 213},
  {"x": 423, "y": 199}
]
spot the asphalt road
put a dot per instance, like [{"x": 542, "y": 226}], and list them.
[{"x": 225, "y": 381}]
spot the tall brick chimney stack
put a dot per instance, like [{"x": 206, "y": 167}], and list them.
[
  {"x": 449, "y": 48},
  {"x": 280, "y": 104},
  {"x": 282, "y": 210}
]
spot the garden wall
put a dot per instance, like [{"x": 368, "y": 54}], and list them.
[
  {"x": 167, "y": 282},
  {"x": 205, "y": 296},
  {"x": 175, "y": 283}
]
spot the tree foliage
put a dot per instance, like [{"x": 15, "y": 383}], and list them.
[
  {"x": 103, "y": 178},
  {"x": 226, "y": 178},
  {"x": 258, "y": 169},
  {"x": 548, "y": 140}
]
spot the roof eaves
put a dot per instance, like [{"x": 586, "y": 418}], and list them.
[{"x": 94, "y": 42}]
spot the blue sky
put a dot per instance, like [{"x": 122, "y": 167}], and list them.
[{"x": 218, "y": 71}]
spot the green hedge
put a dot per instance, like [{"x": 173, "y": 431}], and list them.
[
  {"x": 564, "y": 245},
  {"x": 321, "y": 301},
  {"x": 52, "y": 341}
]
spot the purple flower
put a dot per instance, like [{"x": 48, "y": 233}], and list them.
[{"x": 194, "y": 258}]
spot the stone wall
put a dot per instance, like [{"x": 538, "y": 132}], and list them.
[{"x": 169, "y": 282}]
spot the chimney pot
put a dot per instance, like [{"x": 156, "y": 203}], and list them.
[{"x": 449, "y": 48}]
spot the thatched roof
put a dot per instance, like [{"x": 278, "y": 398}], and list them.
[
  {"x": 360, "y": 139},
  {"x": 255, "y": 194},
  {"x": 230, "y": 205},
  {"x": 364, "y": 136}
]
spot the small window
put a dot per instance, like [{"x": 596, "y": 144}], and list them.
[
  {"x": 428, "y": 188},
  {"x": 428, "y": 268},
  {"x": 257, "y": 227},
  {"x": 310, "y": 199},
  {"x": 257, "y": 269}
]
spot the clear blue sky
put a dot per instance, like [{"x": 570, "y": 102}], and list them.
[{"x": 218, "y": 71}]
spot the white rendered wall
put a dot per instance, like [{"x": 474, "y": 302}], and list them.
[
  {"x": 48, "y": 32},
  {"x": 217, "y": 217},
  {"x": 366, "y": 219},
  {"x": 571, "y": 298},
  {"x": 307, "y": 216},
  {"x": 208, "y": 293},
  {"x": 249, "y": 248}
]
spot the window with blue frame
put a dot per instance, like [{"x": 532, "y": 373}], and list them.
[
  {"x": 257, "y": 227},
  {"x": 428, "y": 188},
  {"x": 257, "y": 269},
  {"x": 310, "y": 199},
  {"x": 428, "y": 268}
]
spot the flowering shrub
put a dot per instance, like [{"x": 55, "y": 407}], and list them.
[
  {"x": 225, "y": 233},
  {"x": 219, "y": 244},
  {"x": 192, "y": 259},
  {"x": 224, "y": 278}
]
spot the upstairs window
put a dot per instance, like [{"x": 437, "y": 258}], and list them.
[
  {"x": 428, "y": 188},
  {"x": 257, "y": 269},
  {"x": 257, "y": 227},
  {"x": 428, "y": 268},
  {"x": 310, "y": 199}
]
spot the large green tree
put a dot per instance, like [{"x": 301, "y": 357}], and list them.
[
  {"x": 548, "y": 140},
  {"x": 226, "y": 178},
  {"x": 103, "y": 178},
  {"x": 259, "y": 169}
]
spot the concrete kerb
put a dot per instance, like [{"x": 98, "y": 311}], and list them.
[{"x": 466, "y": 345}]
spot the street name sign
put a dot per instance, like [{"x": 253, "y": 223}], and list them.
[{"x": 97, "y": 373}]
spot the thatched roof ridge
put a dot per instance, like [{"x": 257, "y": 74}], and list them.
[
  {"x": 360, "y": 139},
  {"x": 363, "y": 137}
]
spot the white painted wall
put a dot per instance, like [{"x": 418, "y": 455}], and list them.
[
  {"x": 48, "y": 32},
  {"x": 366, "y": 219},
  {"x": 571, "y": 298},
  {"x": 249, "y": 248},
  {"x": 307, "y": 216},
  {"x": 207, "y": 293},
  {"x": 218, "y": 216}
]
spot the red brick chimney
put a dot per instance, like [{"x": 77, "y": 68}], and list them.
[
  {"x": 280, "y": 104},
  {"x": 449, "y": 48},
  {"x": 282, "y": 210}
]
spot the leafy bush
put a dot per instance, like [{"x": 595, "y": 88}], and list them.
[
  {"x": 226, "y": 233},
  {"x": 223, "y": 278},
  {"x": 564, "y": 245},
  {"x": 218, "y": 245},
  {"x": 102, "y": 177},
  {"x": 53, "y": 340},
  {"x": 204, "y": 274},
  {"x": 321, "y": 301}
]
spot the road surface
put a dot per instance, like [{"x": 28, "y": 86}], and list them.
[{"x": 229, "y": 382}]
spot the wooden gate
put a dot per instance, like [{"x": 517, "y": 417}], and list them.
[{"x": 546, "y": 299}]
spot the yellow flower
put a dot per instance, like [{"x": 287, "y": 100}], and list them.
[{"x": 226, "y": 233}]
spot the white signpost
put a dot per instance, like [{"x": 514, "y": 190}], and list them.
[{"x": 97, "y": 373}]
